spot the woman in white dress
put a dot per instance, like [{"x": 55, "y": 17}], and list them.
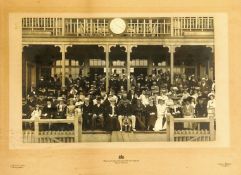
[
  {"x": 211, "y": 102},
  {"x": 161, "y": 114},
  {"x": 36, "y": 113}
]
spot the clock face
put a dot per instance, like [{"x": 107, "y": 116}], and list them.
[{"x": 117, "y": 26}]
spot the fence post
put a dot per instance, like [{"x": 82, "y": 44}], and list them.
[
  {"x": 170, "y": 127},
  {"x": 36, "y": 129},
  {"x": 76, "y": 128},
  {"x": 80, "y": 127},
  {"x": 211, "y": 124}
]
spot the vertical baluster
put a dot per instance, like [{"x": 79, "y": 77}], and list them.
[
  {"x": 196, "y": 19},
  {"x": 84, "y": 26},
  {"x": 172, "y": 28},
  {"x": 32, "y": 24},
  {"x": 40, "y": 23},
  {"x": 104, "y": 27},
  {"x": 156, "y": 28},
  {"x": 189, "y": 23},
  {"x": 56, "y": 26},
  {"x": 77, "y": 27},
  {"x": 74, "y": 27},
  {"x": 70, "y": 20},
  {"x": 164, "y": 28},
  {"x": 131, "y": 27},
  {"x": 177, "y": 26},
  {"x": 144, "y": 27},
  {"x": 208, "y": 26},
  {"x": 95, "y": 27},
  {"x": 181, "y": 26},
  {"x": 30, "y": 138},
  {"x": 26, "y": 136},
  {"x": 28, "y": 22},
  {"x": 137, "y": 26},
  {"x": 63, "y": 26},
  {"x": 202, "y": 24},
  {"x": 98, "y": 27},
  {"x": 91, "y": 27}
]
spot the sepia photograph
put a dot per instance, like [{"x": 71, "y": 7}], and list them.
[
  {"x": 118, "y": 79},
  {"x": 120, "y": 87}
]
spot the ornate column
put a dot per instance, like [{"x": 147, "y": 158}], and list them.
[
  {"x": 63, "y": 50},
  {"x": 172, "y": 49},
  {"x": 211, "y": 71},
  {"x": 24, "y": 71},
  {"x": 150, "y": 65},
  {"x": 128, "y": 48},
  {"x": 107, "y": 62}
]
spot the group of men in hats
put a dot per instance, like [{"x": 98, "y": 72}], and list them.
[{"x": 143, "y": 107}]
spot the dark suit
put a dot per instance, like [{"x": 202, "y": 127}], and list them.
[
  {"x": 98, "y": 116},
  {"x": 50, "y": 111},
  {"x": 201, "y": 111},
  {"x": 139, "y": 112},
  {"x": 131, "y": 98},
  {"x": 111, "y": 118},
  {"x": 87, "y": 115},
  {"x": 61, "y": 111},
  {"x": 176, "y": 112}
]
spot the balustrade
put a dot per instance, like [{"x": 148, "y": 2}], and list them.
[{"x": 99, "y": 27}]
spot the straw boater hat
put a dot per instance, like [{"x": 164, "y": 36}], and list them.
[
  {"x": 112, "y": 99},
  {"x": 155, "y": 92},
  {"x": 175, "y": 88},
  {"x": 197, "y": 88},
  {"x": 211, "y": 94},
  {"x": 175, "y": 98},
  {"x": 151, "y": 98},
  {"x": 60, "y": 99},
  {"x": 160, "y": 98}
]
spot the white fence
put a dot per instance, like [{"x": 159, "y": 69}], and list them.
[{"x": 38, "y": 136}]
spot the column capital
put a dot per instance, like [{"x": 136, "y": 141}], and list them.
[
  {"x": 63, "y": 47},
  {"x": 128, "y": 47},
  {"x": 107, "y": 47},
  {"x": 172, "y": 48},
  {"x": 212, "y": 47},
  {"x": 24, "y": 45}
]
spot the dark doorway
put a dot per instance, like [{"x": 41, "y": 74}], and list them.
[
  {"x": 98, "y": 71},
  {"x": 138, "y": 71}
]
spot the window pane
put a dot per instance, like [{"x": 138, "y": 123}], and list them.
[
  {"x": 73, "y": 63},
  {"x": 66, "y": 62}
]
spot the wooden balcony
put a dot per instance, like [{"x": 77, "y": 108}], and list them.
[{"x": 162, "y": 27}]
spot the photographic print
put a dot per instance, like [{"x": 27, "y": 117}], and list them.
[
  {"x": 118, "y": 79},
  {"x": 119, "y": 87}
]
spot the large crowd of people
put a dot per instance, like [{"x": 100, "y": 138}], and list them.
[{"x": 144, "y": 107}]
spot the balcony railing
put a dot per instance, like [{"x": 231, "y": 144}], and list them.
[{"x": 136, "y": 27}]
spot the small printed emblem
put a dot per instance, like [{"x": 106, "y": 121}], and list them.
[{"x": 121, "y": 156}]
